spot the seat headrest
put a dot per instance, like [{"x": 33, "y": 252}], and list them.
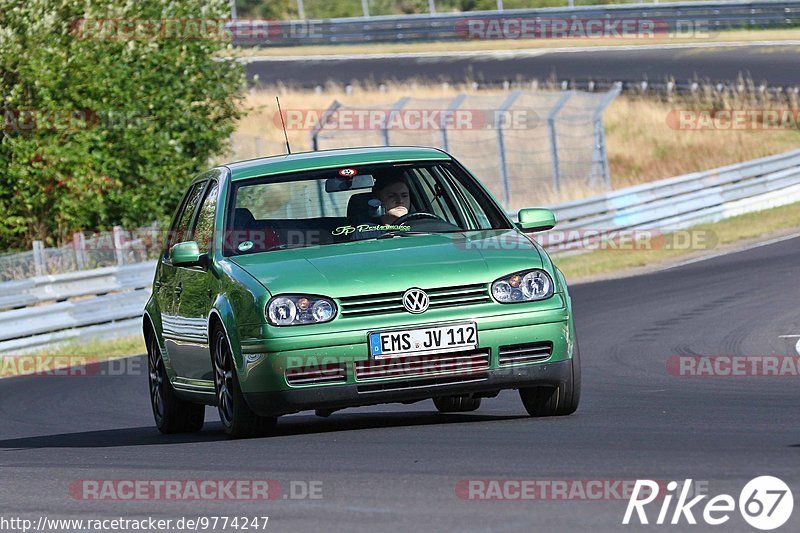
[
  {"x": 358, "y": 208},
  {"x": 242, "y": 218}
]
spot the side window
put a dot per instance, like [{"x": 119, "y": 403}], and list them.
[
  {"x": 435, "y": 196},
  {"x": 203, "y": 230},
  {"x": 481, "y": 217},
  {"x": 180, "y": 232}
]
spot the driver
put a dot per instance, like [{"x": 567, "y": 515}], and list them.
[{"x": 395, "y": 200}]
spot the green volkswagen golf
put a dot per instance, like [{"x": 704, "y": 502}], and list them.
[{"x": 343, "y": 278}]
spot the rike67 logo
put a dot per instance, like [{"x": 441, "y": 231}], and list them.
[{"x": 765, "y": 503}]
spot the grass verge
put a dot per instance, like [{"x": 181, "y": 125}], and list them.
[
  {"x": 717, "y": 237},
  {"x": 52, "y": 360},
  {"x": 512, "y": 44}
]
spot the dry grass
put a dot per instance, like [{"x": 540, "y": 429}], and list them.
[
  {"x": 642, "y": 147},
  {"x": 512, "y": 44}
]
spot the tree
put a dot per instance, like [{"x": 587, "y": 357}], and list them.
[{"x": 108, "y": 109}]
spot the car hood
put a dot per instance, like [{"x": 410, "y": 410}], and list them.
[{"x": 392, "y": 265}]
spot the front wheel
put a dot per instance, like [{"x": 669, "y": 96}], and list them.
[
  {"x": 172, "y": 414},
  {"x": 556, "y": 401},
  {"x": 456, "y": 404},
  {"x": 238, "y": 420}
]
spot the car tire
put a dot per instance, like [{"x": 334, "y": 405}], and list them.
[
  {"x": 172, "y": 414},
  {"x": 238, "y": 420},
  {"x": 556, "y": 401},
  {"x": 456, "y": 404}
]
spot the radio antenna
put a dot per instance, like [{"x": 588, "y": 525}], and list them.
[{"x": 283, "y": 123}]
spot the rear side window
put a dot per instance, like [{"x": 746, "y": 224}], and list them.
[
  {"x": 203, "y": 229},
  {"x": 180, "y": 230}
]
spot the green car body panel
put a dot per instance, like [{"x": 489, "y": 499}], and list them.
[{"x": 231, "y": 292}]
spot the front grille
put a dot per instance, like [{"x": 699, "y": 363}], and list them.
[
  {"x": 470, "y": 364},
  {"x": 392, "y": 302},
  {"x": 316, "y": 375},
  {"x": 525, "y": 353}
]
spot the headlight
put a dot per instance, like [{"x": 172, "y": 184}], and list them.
[
  {"x": 526, "y": 286},
  {"x": 297, "y": 310}
]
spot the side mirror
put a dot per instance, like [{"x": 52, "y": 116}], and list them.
[
  {"x": 536, "y": 219},
  {"x": 185, "y": 254}
]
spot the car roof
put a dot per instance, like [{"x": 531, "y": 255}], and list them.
[{"x": 280, "y": 164}]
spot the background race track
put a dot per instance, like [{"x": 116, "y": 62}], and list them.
[
  {"x": 395, "y": 468},
  {"x": 773, "y": 64}
]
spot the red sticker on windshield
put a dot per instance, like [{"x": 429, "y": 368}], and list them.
[{"x": 348, "y": 172}]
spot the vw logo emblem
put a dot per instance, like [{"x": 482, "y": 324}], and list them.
[{"x": 415, "y": 301}]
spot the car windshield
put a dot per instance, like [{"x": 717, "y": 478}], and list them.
[{"x": 358, "y": 202}]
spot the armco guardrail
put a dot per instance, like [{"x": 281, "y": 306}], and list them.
[
  {"x": 90, "y": 303},
  {"x": 671, "y": 204},
  {"x": 704, "y": 16},
  {"x": 683, "y": 201}
]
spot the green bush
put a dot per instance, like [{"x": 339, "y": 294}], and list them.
[{"x": 124, "y": 122}]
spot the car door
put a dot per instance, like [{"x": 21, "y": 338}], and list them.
[
  {"x": 196, "y": 290},
  {"x": 166, "y": 282}
]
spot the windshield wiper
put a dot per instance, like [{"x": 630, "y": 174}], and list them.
[{"x": 397, "y": 233}]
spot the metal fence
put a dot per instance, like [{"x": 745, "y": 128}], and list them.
[
  {"x": 524, "y": 146},
  {"x": 86, "y": 251}
]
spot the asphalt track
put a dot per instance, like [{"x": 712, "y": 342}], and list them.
[
  {"x": 774, "y": 65},
  {"x": 395, "y": 468}
]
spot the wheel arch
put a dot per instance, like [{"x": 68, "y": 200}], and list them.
[{"x": 222, "y": 314}]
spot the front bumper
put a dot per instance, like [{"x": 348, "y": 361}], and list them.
[
  {"x": 268, "y": 392},
  {"x": 332, "y": 397}
]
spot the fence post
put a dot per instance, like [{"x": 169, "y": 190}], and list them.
[
  {"x": 321, "y": 124},
  {"x": 39, "y": 265},
  {"x": 117, "y": 235},
  {"x": 395, "y": 108},
  {"x": 454, "y": 105},
  {"x": 79, "y": 243},
  {"x": 599, "y": 153},
  {"x": 551, "y": 130},
  {"x": 501, "y": 145}
]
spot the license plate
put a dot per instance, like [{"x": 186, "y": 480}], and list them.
[{"x": 434, "y": 339}]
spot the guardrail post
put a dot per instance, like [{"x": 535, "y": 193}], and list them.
[
  {"x": 117, "y": 235},
  {"x": 551, "y": 131},
  {"x": 599, "y": 153},
  {"x": 454, "y": 105},
  {"x": 321, "y": 124},
  {"x": 39, "y": 265},
  {"x": 79, "y": 243},
  {"x": 501, "y": 145},
  {"x": 395, "y": 108}
]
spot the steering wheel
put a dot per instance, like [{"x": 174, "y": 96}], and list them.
[{"x": 414, "y": 216}]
